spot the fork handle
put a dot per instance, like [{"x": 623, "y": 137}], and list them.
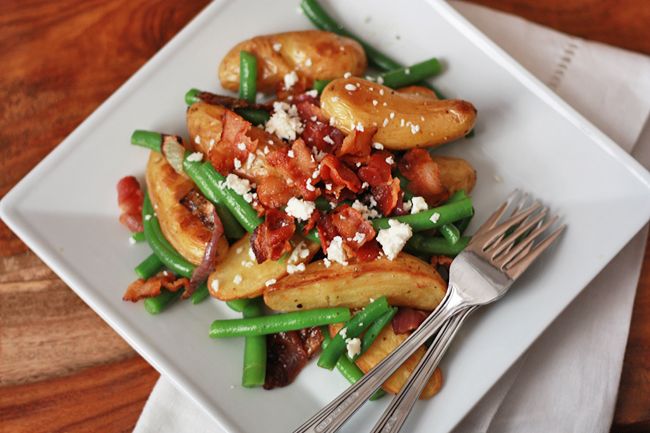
[
  {"x": 331, "y": 417},
  {"x": 395, "y": 415}
]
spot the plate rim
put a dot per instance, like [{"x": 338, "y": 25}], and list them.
[{"x": 10, "y": 204}]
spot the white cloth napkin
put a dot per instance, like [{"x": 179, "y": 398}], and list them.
[{"x": 568, "y": 380}]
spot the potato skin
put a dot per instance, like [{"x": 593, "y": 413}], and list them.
[
  {"x": 418, "y": 121},
  {"x": 405, "y": 281},
  {"x": 184, "y": 231},
  {"x": 386, "y": 342},
  {"x": 455, "y": 173},
  {"x": 314, "y": 54},
  {"x": 206, "y": 122},
  {"x": 254, "y": 275}
]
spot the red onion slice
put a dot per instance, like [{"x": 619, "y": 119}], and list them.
[{"x": 202, "y": 272}]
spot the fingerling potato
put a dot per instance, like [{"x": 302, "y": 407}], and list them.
[
  {"x": 403, "y": 120},
  {"x": 224, "y": 284},
  {"x": 384, "y": 344},
  {"x": 185, "y": 231},
  {"x": 405, "y": 281},
  {"x": 314, "y": 54},
  {"x": 455, "y": 173}
]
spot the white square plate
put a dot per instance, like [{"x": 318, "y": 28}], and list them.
[{"x": 65, "y": 209}]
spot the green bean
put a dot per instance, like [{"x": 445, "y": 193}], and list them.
[
  {"x": 192, "y": 96},
  {"x": 450, "y": 233},
  {"x": 436, "y": 245},
  {"x": 322, "y": 203},
  {"x": 352, "y": 329},
  {"x": 200, "y": 294},
  {"x": 241, "y": 210},
  {"x": 247, "y": 76},
  {"x": 406, "y": 76},
  {"x": 157, "y": 304},
  {"x": 149, "y": 139},
  {"x": 348, "y": 369},
  {"x": 256, "y": 116},
  {"x": 447, "y": 213},
  {"x": 161, "y": 246},
  {"x": 148, "y": 267},
  {"x": 238, "y": 305},
  {"x": 374, "y": 330},
  {"x": 137, "y": 237},
  {"x": 319, "y": 85},
  {"x": 278, "y": 323},
  {"x": 254, "y": 350}
]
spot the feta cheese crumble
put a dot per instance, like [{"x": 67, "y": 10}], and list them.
[
  {"x": 238, "y": 279},
  {"x": 284, "y": 122},
  {"x": 195, "y": 157},
  {"x": 292, "y": 269},
  {"x": 240, "y": 186},
  {"x": 364, "y": 210},
  {"x": 435, "y": 217},
  {"x": 394, "y": 238},
  {"x": 215, "y": 285},
  {"x": 290, "y": 79},
  {"x": 300, "y": 209},
  {"x": 277, "y": 47},
  {"x": 353, "y": 346},
  {"x": 350, "y": 87},
  {"x": 270, "y": 282},
  {"x": 335, "y": 251},
  {"x": 378, "y": 146},
  {"x": 418, "y": 204}
]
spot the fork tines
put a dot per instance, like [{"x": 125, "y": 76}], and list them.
[{"x": 514, "y": 243}]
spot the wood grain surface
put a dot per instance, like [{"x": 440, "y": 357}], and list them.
[{"x": 63, "y": 369}]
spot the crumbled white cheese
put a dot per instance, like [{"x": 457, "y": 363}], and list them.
[
  {"x": 270, "y": 282},
  {"x": 290, "y": 153},
  {"x": 290, "y": 79},
  {"x": 277, "y": 47},
  {"x": 132, "y": 241},
  {"x": 415, "y": 129},
  {"x": 335, "y": 251},
  {"x": 347, "y": 75},
  {"x": 197, "y": 139},
  {"x": 237, "y": 164},
  {"x": 380, "y": 80},
  {"x": 239, "y": 250},
  {"x": 418, "y": 204},
  {"x": 359, "y": 237},
  {"x": 314, "y": 94},
  {"x": 390, "y": 160},
  {"x": 435, "y": 217},
  {"x": 292, "y": 269},
  {"x": 215, "y": 285},
  {"x": 328, "y": 186},
  {"x": 343, "y": 332},
  {"x": 327, "y": 263},
  {"x": 240, "y": 186},
  {"x": 384, "y": 123},
  {"x": 378, "y": 146},
  {"x": 394, "y": 238},
  {"x": 327, "y": 139},
  {"x": 308, "y": 62},
  {"x": 353, "y": 346},
  {"x": 359, "y": 127},
  {"x": 195, "y": 157},
  {"x": 365, "y": 185},
  {"x": 407, "y": 71},
  {"x": 300, "y": 252},
  {"x": 251, "y": 254},
  {"x": 309, "y": 186},
  {"x": 266, "y": 150},
  {"x": 241, "y": 146},
  {"x": 364, "y": 210},
  {"x": 407, "y": 206},
  {"x": 249, "y": 161},
  {"x": 284, "y": 122},
  {"x": 147, "y": 217},
  {"x": 350, "y": 87},
  {"x": 300, "y": 209},
  {"x": 375, "y": 102},
  {"x": 238, "y": 279}
]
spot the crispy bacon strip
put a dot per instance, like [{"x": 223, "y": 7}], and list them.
[
  {"x": 423, "y": 175},
  {"x": 312, "y": 338},
  {"x": 129, "y": 199},
  {"x": 352, "y": 227},
  {"x": 377, "y": 170},
  {"x": 236, "y": 143},
  {"x": 356, "y": 146},
  {"x": 387, "y": 196},
  {"x": 369, "y": 251},
  {"x": 299, "y": 166},
  {"x": 152, "y": 287},
  {"x": 270, "y": 239},
  {"x": 407, "y": 319},
  {"x": 334, "y": 172}
]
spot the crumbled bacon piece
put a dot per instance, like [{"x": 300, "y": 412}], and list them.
[
  {"x": 309, "y": 108},
  {"x": 270, "y": 239},
  {"x": 311, "y": 222},
  {"x": 235, "y": 143},
  {"x": 387, "y": 196},
  {"x": 339, "y": 175},
  {"x": 326, "y": 231},
  {"x": 369, "y": 251},
  {"x": 408, "y": 319},
  {"x": 274, "y": 191},
  {"x": 424, "y": 176},
  {"x": 299, "y": 166},
  {"x": 312, "y": 338},
  {"x": 352, "y": 227},
  {"x": 129, "y": 199},
  {"x": 140, "y": 289},
  {"x": 356, "y": 146},
  {"x": 377, "y": 171},
  {"x": 322, "y": 136}
]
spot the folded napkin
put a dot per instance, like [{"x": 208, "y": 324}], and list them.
[{"x": 569, "y": 378}]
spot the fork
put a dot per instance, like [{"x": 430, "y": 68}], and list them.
[{"x": 497, "y": 255}]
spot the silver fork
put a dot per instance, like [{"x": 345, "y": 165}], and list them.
[{"x": 481, "y": 274}]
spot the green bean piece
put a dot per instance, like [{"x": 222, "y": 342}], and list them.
[
  {"x": 158, "y": 303},
  {"x": 161, "y": 246},
  {"x": 137, "y": 237},
  {"x": 319, "y": 85},
  {"x": 348, "y": 369},
  {"x": 241, "y": 210},
  {"x": 403, "y": 184},
  {"x": 406, "y": 76},
  {"x": 322, "y": 203},
  {"x": 254, "y": 350},
  {"x": 247, "y": 76},
  {"x": 463, "y": 224},
  {"x": 196, "y": 172},
  {"x": 450, "y": 233},
  {"x": 149, "y": 139},
  {"x": 255, "y": 116},
  {"x": 447, "y": 213},
  {"x": 352, "y": 329},
  {"x": 373, "y": 331},
  {"x": 436, "y": 245},
  {"x": 148, "y": 267},
  {"x": 192, "y": 96},
  {"x": 200, "y": 294},
  {"x": 277, "y": 323},
  {"x": 238, "y": 305}
]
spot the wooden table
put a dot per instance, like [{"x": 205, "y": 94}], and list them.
[{"x": 61, "y": 367}]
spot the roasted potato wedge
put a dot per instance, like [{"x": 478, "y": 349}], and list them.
[
  {"x": 187, "y": 234},
  {"x": 406, "y": 281},
  {"x": 254, "y": 276},
  {"x": 204, "y": 121},
  {"x": 403, "y": 120},
  {"x": 314, "y": 54},
  {"x": 386, "y": 342},
  {"x": 455, "y": 173},
  {"x": 421, "y": 91}
]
